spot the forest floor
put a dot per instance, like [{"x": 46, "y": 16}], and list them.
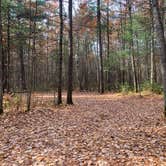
[{"x": 103, "y": 130}]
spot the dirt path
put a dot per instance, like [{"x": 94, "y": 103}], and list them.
[{"x": 97, "y": 130}]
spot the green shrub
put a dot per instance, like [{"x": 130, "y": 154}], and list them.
[
  {"x": 155, "y": 87},
  {"x": 146, "y": 86},
  {"x": 125, "y": 88}
]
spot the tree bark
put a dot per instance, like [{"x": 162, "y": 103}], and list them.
[
  {"x": 132, "y": 48},
  {"x": 22, "y": 68},
  {"x": 4, "y": 68},
  {"x": 59, "y": 101},
  {"x": 108, "y": 43},
  {"x": 162, "y": 41},
  {"x": 34, "y": 58},
  {"x": 29, "y": 57},
  {"x": 1, "y": 57},
  {"x": 8, "y": 51},
  {"x": 100, "y": 47},
  {"x": 70, "y": 60},
  {"x": 152, "y": 44}
]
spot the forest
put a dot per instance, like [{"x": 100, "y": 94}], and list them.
[{"x": 82, "y": 82}]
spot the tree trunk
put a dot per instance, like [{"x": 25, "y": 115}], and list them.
[
  {"x": 59, "y": 101},
  {"x": 152, "y": 45},
  {"x": 108, "y": 43},
  {"x": 123, "y": 44},
  {"x": 4, "y": 68},
  {"x": 85, "y": 66},
  {"x": 70, "y": 60},
  {"x": 162, "y": 41},
  {"x": 29, "y": 57},
  {"x": 34, "y": 58},
  {"x": 1, "y": 71},
  {"x": 22, "y": 68},
  {"x": 8, "y": 51},
  {"x": 132, "y": 48},
  {"x": 100, "y": 47}
]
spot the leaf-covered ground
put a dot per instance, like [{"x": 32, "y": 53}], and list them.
[{"x": 101, "y": 130}]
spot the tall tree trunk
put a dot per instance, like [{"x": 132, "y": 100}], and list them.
[
  {"x": 108, "y": 43},
  {"x": 132, "y": 48},
  {"x": 29, "y": 58},
  {"x": 60, "y": 54},
  {"x": 8, "y": 51},
  {"x": 4, "y": 68},
  {"x": 98, "y": 66},
  {"x": 100, "y": 47},
  {"x": 162, "y": 41},
  {"x": 47, "y": 59},
  {"x": 152, "y": 44},
  {"x": 70, "y": 60},
  {"x": 85, "y": 66},
  {"x": 34, "y": 58},
  {"x": 1, "y": 71},
  {"x": 22, "y": 68},
  {"x": 138, "y": 63},
  {"x": 122, "y": 41},
  {"x": 78, "y": 60}
]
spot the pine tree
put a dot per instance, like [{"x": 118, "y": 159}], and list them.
[
  {"x": 1, "y": 71},
  {"x": 60, "y": 53},
  {"x": 70, "y": 60}
]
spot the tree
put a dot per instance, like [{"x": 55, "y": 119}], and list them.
[
  {"x": 70, "y": 60},
  {"x": 108, "y": 39},
  {"x": 132, "y": 47},
  {"x": 100, "y": 47},
  {"x": 162, "y": 41},
  {"x": 1, "y": 71},
  {"x": 8, "y": 48},
  {"x": 22, "y": 68},
  {"x": 152, "y": 44},
  {"x": 60, "y": 53},
  {"x": 29, "y": 56}
]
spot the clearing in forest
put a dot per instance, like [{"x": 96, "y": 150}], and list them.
[{"x": 99, "y": 130}]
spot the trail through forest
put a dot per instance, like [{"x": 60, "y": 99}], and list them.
[{"x": 100, "y": 130}]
